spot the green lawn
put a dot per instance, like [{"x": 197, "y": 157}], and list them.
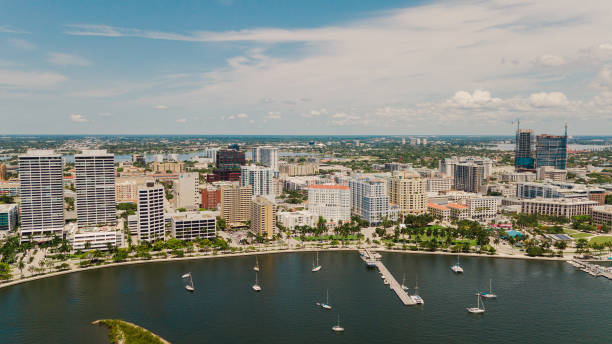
[
  {"x": 581, "y": 235},
  {"x": 600, "y": 239},
  {"x": 570, "y": 231}
]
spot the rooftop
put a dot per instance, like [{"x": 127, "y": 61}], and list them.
[{"x": 329, "y": 187}]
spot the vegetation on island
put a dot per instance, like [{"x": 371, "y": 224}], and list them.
[{"x": 123, "y": 332}]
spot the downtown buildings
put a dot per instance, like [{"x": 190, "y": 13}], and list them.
[
  {"x": 259, "y": 178},
  {"x": 539, "y": 151},
  {"x": 267, "y": 156},
  {"x": 263, "y": 217},
  {"x": 42, "y": 195},
  {"x": 408, "y": 191},
  {"x": 369, "y": 200},
  {"x": 469, "y": 177},
  {"x": 150, "y": 212},
  {"x": 227, "y": 165}
]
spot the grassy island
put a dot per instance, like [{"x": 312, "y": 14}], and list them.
[{"x": 123, "y": 332}]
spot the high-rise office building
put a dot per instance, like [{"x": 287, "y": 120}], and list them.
[
  {"x": 408, "y": 191},
  {"x": 42, "y": 194},
  {"x": 469, "y": 177},
  {"x": 235, "y": 203},
  {"x": 186, "y": 190},
  {"x": 260, "y": 178},
  {"x": 151, "y": 212},
  {"x": 551, "y": 150},
  {"x": 95, "y": 188},
  {"x": 227, "y": 166},
  {"x": 263, "y": 217},
  {"x": 524, "y": 159}
]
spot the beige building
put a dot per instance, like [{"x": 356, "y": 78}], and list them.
[
  {"x": 549, "y": 172},
  {"x": 567, "y": 207},
  {"x": 438, "y": 210},
  {"x": 263, "y": 217},
  {"x": 293, "y": 170},
  {"x": 408, "y": 192},
  {"x": 602, "y": 214},
  {"x": 235, "y": 203},
  {"x": 438, "y": 184},
  {"x": 164, "y": 167},
  {"x": 2, "y": 172},
  {"x": 126, "y": 191}
]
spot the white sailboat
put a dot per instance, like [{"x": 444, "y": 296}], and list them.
[
  {"x": 326, "y": 304},
  {"x": 338, "y": 328},
  {"x": 316, "y": 267},
  {"x": 415, "y": 297},
  {"x": 256, "y": 286},
  {"x": 189, "y": 286},
  {"x": 478, "y": 309},
  {"x": 404, "y": 287},
  {"x": 256, "y": 267},
  {"x": 457, "y": 268},
  {"x": 490, "y": 294}
]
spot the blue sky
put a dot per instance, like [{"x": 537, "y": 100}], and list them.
[{"x": 304, "y": 67}]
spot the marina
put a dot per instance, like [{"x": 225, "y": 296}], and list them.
[
  {"x": 153, "y": 296},
  {"x": 592, "y": 269},
  {"x": 373, "y": 258}
]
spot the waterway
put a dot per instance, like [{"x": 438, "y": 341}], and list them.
[{"x": 538, "y": 302}]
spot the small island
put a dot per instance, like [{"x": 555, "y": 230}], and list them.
[{"x": 123, "y": 332}]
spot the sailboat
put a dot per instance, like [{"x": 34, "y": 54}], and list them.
[
  {"x": 415, "y": 297},
  {"x": 338, "y": 328},
  {"x": 189, "y": 286},
  {"x": 256, "y": 286},
  {"x": 490, "y": 294},
  {"x": 256, "y": 267},
  {"x": 317, "y": 267},
  {"x": 326, "y": 304},
  {"x": 478, "y": 309},
  {"x": 404, "y": 287},
  {"x": 457, "y": 268}
]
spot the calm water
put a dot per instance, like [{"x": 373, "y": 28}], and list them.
[{"x": 539, "y": 302}]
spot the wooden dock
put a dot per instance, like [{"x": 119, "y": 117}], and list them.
[{"x": 373, "y": 258}]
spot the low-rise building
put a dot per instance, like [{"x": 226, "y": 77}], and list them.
[
  {"x": 293, "y": 170},
  {"x": 514, "y": 177},
  {"x": 602, "y": 214},
  {"x": 458, "y": 211},
  {"x": 132, "y": 223},
  {"x": 93, "y": 238},
  {"x": 194, "y": 225},
  {"x": 482, "y": 208},
  {"x": 439, "y": 210},
  {"x": 9, "y": 189},
  {"x": 439, "y": 184},
  {"x": 549, "y": 172},
  {"x": 566, "y": 207},
  {"x": 126, "y": 191},
  {"x": 168, "y": 167},
  {"x": 292, "y": 219},
  {"x": 8, "y": 216}
]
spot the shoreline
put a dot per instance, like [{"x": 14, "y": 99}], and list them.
[{"x": 276, "y": 251}]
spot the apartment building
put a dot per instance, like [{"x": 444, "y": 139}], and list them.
[
  {"x": 332, "y": 202},
  {"x": 150, "y": 212},
  {"x": 235, "y": 203},
  {"x": 263, "y": 217},
  {"x": 408, "y": 191},
  {"x": 95, "y": 188},
  {"x": 194, "y": 225}
]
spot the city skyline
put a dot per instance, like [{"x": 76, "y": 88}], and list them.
[{"x": 233, "y": 67}]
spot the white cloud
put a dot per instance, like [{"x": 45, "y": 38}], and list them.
[
  {"x": 63, "y": 60},
  {"x": 549, "y": 61},
  {"x": 242, "y": 115},
  {"x": 161, "y": 107},
  {"x": 551, "y": 99},
  {"x": 32, "y": 79},
  {"x": 181, "y": 120},
  {"x": 22, "y": 44},
  {"x": 273, "y": 115},
  {"x": 105, "y": 114},
  {"x": 407, "y": 65},
  {"x": 10, "y": 29},
  {"x": 78, "y": 118},
  {"x": 476, "y": 99}
]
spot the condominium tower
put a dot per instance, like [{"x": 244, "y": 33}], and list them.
[
  {"x": 259, "y": 177},
  {"x": 408, "y": 191},
  {"x": 332, "y": 202},
  {"x": 42, "y": 194},
  {"x": 150, "y": 212},
  {"x": 235, "y": 203},
  {"x": 95, "y": 188},
  {"x": 263, "y": 217}
]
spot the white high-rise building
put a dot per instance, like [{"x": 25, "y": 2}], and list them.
[
  {"x": 260, "y": 178},
  {"x": 187, "y": 191},
  {"x": 95, "y": 188},
  {"x": 332, "y": 202},
  {"x": 42, "y": 194},
  {"x": 369, "y": 199},
  {"x": 150, "y": 212},
  {"x": 266, "y": 155}
]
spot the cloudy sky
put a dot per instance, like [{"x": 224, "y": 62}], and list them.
[{"x": 305, "y": 67}]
